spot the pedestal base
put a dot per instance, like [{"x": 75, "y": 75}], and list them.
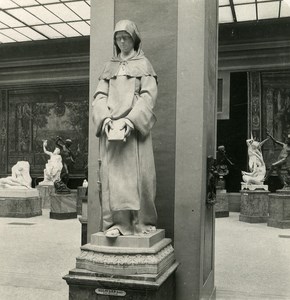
[
  {"x": 131, "y": 267},
  {"x": 22, "y": 203},
  {"x": 254, "y": 187},
  {"x": 63, "y": 206},
  {"x": 127, "y": 255},
  {"x": 222, "y": 204},
  {"x": 45, "y": 192},
  {"x": 87, "y": 285},
  {"x": 279, "y": 209},
  {"x": 254, "y": 206}
]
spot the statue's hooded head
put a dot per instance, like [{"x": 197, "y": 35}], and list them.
[{"x": 131, "y": 28}]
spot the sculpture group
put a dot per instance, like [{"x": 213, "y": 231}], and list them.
[
  {"x": 58, "y": 166},
  {"x": 257, "y": 174}
]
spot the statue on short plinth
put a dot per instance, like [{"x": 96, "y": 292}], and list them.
[
  {"x": 222, "y": 163},
  {"x": 68, "y": 159},
  {"x": 123, "y": 115},
  {"x": 255, "y": 178},
  {"x": 281, "y": 162},
  {"x": 20, "y": 178},
  {"x": 53, "y": 166}
]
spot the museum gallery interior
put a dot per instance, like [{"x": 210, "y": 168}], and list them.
[{"x": 220, "y": 142}]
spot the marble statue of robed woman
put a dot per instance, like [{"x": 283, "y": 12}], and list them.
[{"x": 123, "y": 115}]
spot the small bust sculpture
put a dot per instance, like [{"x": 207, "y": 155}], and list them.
[
  {"x": 257, "y": 165},
  {"x": 20, "y": 178},
  {"x": 53, "y": 167}
]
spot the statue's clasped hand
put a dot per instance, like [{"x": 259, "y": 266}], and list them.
[
  {"x": 107, "y": 126},
  {"x": 121, "y": 124},
  {"x": 128, "y": 126}
]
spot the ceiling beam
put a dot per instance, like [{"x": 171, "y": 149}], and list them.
[{"x": 233, "y": 11}]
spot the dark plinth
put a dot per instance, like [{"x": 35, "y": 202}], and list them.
[
  {"x": 81, "y": 194},
  {"x": 84, "y": 220},
  {"x": 84, "y": 232},
  {"x": 222, "y": 204},
  {"x": 45, "y": 192},
  {"x": 20, "y": 203},
  {"x": 63, "y": 206},
  {"x": 126, "y": 267},
  {"x": 279, "y": 209},
  {"x": 254, "y": 206}
]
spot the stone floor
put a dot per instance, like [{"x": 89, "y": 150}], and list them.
[
  {"x": 34, "y": 257},
  {"x": 252, "y": 260}
]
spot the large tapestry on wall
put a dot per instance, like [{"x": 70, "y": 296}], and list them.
[
  {"x": 35, "y": 115},
  {"x": 276, "y": 111}
]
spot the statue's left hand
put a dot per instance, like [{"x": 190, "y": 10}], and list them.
[
  {"x": 128, "y": 126},
  {"x": 107, "y": 126}
]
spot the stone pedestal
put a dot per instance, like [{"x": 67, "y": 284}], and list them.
[
  {"x": 279, "y": 209},
  {"x": 222, "y": 204},
  {"x": 131, "y": 267},
  {"x": 254, "y": 206},
  {"x": 63, "y": 206},
  {"x": 253, "y": 187},
  {"x": 45, "y": 192},
  {"x": 20, "y": 203}
]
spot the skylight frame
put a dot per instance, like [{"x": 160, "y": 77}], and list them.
[
  {"x": 79, "y": 22},
  {"x": 38, "y": 15},
  {"x": 258, "y": 6}
]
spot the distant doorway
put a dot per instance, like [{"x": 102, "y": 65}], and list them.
[{"x": 232, "y": 133}]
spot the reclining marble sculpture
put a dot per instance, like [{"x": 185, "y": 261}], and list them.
[
  {"x": 255, "y": 178},
  {"x": 20, "y": 178}
]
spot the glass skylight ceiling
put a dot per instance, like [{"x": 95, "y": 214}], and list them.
[
  {"x": 29, "y": 20},
  {"x": 252, "y": 10}
]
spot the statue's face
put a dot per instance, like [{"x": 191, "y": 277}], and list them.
[{"x": 124, "y": 42}]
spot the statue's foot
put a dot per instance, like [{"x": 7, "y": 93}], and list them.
[
  {"x": 113, "y": 233},
  {"x": 148, "y": 229}
]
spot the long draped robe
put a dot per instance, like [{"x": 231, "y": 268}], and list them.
[{"x": 127, "y": 89}]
